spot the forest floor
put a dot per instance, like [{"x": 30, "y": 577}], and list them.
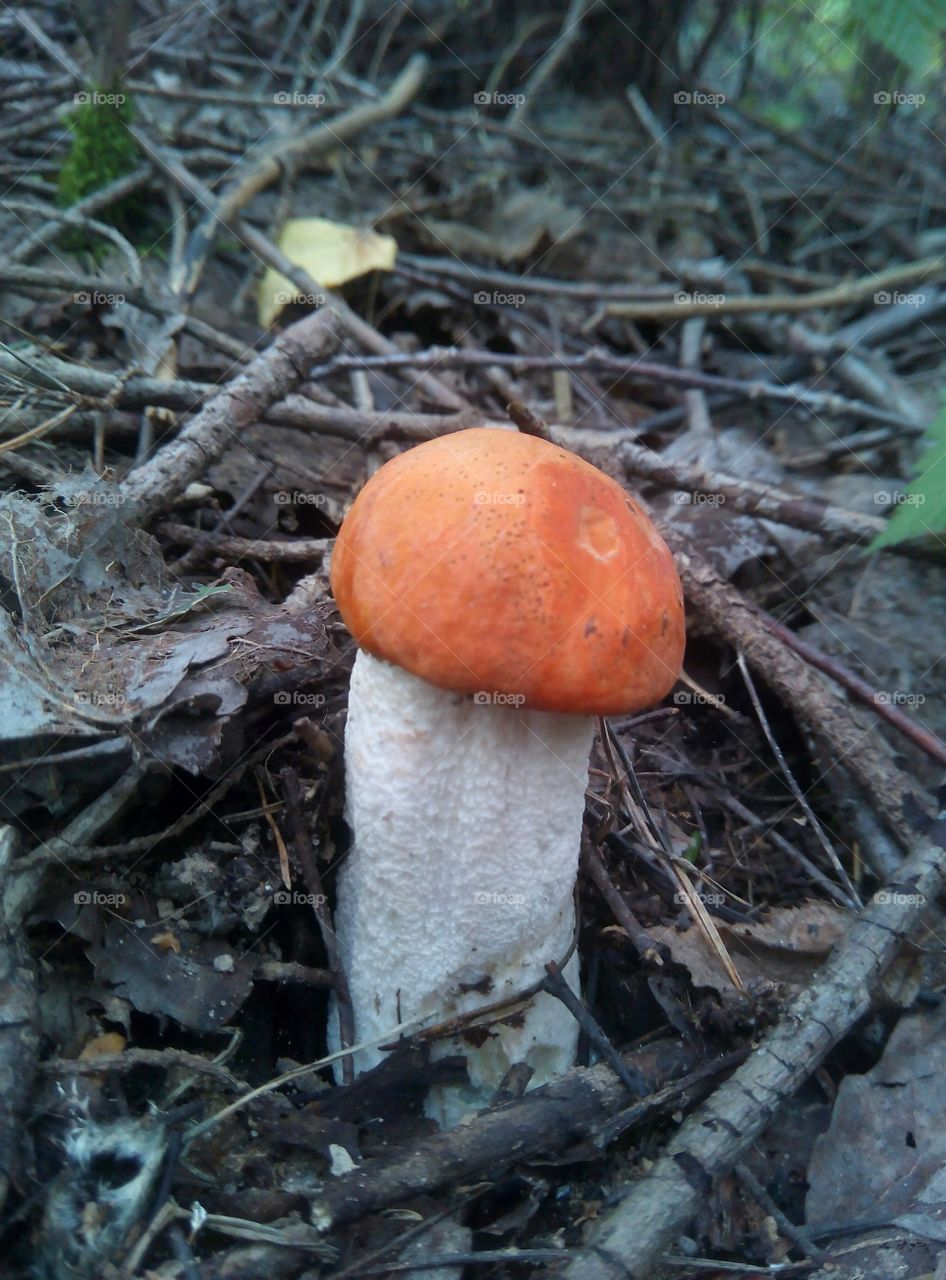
[{"x": 744, "y": 326}]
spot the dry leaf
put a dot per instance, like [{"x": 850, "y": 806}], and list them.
[
  {"x": 787, "y": 947},
  {"x": 509, "y": 230},
  {"x": 103, "y": 1045},
  {"x": 809, "y": 930},
  {"x": 167, "y": 942},
  {"x": 884, "y": 1153},
  {"x": 330, "y": 253}
]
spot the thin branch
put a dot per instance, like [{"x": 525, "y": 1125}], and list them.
[
  {"x": 629, "y": 1238},
  {"x": 648, "y": 371}
]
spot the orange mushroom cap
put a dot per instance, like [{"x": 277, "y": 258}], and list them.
[{"x": 490, "y": 561}]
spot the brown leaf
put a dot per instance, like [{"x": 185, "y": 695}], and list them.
[{"x": 809, "y": 930}]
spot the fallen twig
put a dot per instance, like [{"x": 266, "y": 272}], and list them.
[
  {"x": 49, "y": 374},
  {"x": 19, "y": 1023},
  {"x": 556, "y": 986},
  {"x": 793, "y": 786},
  {"x": 547, "y": 1119},
  {"x": 233, "y": 548},
  {"x": 155, "y": 485},
  {"x": 302, "y": 846},
  {"x": 628, "y": 1239},
  {"x": 117, "y": 292},
  {"x": 841, "y": 295},
  {"x": 132, "y": 1058},
  {"x": 846, "y": 740},
  {"x": 646, "y": 946},
  {"x": 878, "y": 700},
  {"x": 258, "y": 171},
  {"x": 819, "y": 402},
  {"x": 834, "y": 524}
]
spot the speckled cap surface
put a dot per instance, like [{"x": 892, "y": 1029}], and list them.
[{"x": 494, "y": 563}]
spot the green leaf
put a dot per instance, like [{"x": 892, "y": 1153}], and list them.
[
  {"x": 921, "y": 509},
  {"x": 910, "y": 29}
]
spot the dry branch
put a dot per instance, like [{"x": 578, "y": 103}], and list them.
[
  {"x": 818, "y": 402},
  {"x": 546, "y": 1120},
  {"x": 258, "y": 171},
  {"x": 19, "y": 1038},
  {"x": 273, "y": 374},
  {"x": 834, "y": 524},
  {"x": 100, "y": 389},
  {"x": 841, "y": 295},
  {"x": 359, "y": 329},
  {"x": 39, "y": 238},
  {"x": 43, "y": 280},
  {"x": 917, "y": 733},
  {"x": 628, "y": 1240},
  {"x": 131, "y": 1059},
  {"x": 270, "y": 550},
  {"x": 845, "y": 739}
]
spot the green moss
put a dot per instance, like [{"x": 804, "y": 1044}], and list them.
[{"x": 102, "y": 150}]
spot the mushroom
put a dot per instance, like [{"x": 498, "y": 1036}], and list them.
[{"x": 503, "y": 592}]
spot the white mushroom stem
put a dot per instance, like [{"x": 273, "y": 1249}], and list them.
[{"x": 466, "y": 816}]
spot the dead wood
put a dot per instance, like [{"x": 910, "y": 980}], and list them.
[
  {"x": 260, "y": 170},
  {"x": 230, "y": 548},
  {"x": 818, "y": 300},
  {"x": 845, "y": 739},
  {"x": 818, "y": 402},
  {"x": 628, "y": 1240},
  {"x": 836, "y": 525},
  {"x": 19, "y": 1038},
  {"x": 544, "y": 1121},
  {"x": 154, "y": 485}
]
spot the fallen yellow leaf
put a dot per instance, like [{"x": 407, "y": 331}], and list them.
[
  {"x": 167, "y": 941},
  {"x": 101, "y": 1046},
  {"x": 330, "y": 253}
]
